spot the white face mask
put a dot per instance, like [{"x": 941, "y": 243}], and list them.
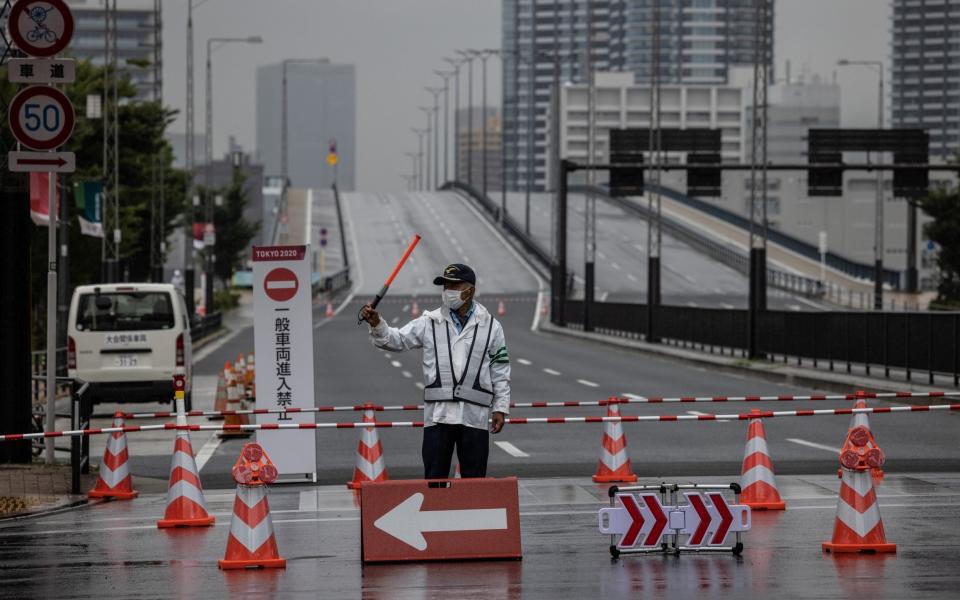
[{"x": 451, "y": 299}]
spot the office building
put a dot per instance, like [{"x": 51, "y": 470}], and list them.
[
  {"x": 470, "y": 162},
  {"x": 321, "y": 108},
  {"x": 139, "y": 39},
  {"x": 926, "y": 71}
]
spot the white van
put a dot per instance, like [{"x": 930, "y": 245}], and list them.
[{"x": 128, "y": 339}]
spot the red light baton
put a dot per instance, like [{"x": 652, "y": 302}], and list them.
[{"x": 393, "y": 275}]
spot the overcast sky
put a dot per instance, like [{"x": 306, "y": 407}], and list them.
[{"x": 396, "y": 45}]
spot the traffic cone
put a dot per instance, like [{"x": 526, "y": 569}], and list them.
[
  {"x": 757, "y": 482},
  {"x": 251, "y": 542},
  {"x": 329, "y": 313},
  {"x": 501, "y": 309},
  {"x": 456, "y": 472},
  {"x": 544, "y": 307},
  {"x": 220, "y": 400},
  {"x": 251, "y": 369},
  {"x": 415, "y": 309},
  {"x": 234, "y": 398},
  {"x": 115, "y": 480},
  {"x": 241, "y": 364},
  {"x": 614, "y": 465},
  {"x": 858, "y": 526},
  {"x": 185, "y": 503},
  {"x": 370, "y": 463}
]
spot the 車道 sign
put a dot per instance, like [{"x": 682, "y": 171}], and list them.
[
  {"x": 283, "y": 341},
  {"x": 459, "y": 519}
]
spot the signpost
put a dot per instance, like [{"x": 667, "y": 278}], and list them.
[
  {"x": 42, "y": 118},
  {"x": 283, "y": 341},
  {"x": 458, "y": 519}
]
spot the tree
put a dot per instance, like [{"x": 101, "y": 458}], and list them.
[
  {"x": 943, "y": 205},
  {"x": 234, "y": 232}
]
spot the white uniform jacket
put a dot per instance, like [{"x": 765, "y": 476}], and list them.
[{"x": 465, "y": 374}]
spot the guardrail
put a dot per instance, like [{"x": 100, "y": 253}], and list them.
[
  {"x": 515, "y": 229},
  {"x": 206, "y": 325},
  {"x": 908, "y": 341},
  {"x": 333, "y": 282},
  {"x": 731, "y": 256},
  {"x": 835, "y": 261}
]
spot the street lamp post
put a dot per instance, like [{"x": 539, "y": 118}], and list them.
[
  {"x": 420, "y": 135},
  {"x": 414, "y": 180},
  {"x": 208, "y": 204},
  {"x": 456, "y": 64},
  {"x": 427, "y": 111},
  {"x": 446, "y": 75},
  {"x": 468, "y": 56},
  {"x": 436, "y": 91},
  {"x": 878, "y": 216},
  {"x": 484, "y": 55}
]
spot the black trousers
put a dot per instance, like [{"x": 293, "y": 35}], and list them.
[{"x": 472, "y": 444}]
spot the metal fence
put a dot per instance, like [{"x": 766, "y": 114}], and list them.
[
  {"x": 912, "y": 342},
  {"x": 206, "y": 325},
  {"x": 333, "y": 282}
]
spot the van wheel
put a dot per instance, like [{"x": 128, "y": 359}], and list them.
[{"x": 188, "y": 402}]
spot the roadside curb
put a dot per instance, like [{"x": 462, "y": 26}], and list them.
[
  {"x": 68, "y": 503},
  {"x": 777, "y": 373},
  {"x": 216, "y": 335}
]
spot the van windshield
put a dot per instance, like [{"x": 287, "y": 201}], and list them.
[{"x": 125, "y": 311}]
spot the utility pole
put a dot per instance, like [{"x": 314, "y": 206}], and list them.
[
  {"x": 157, "y": 200},
  {"x": 110, "y": 243},
  {"x": 758, "y": 243},
  {"x": 446, "y": 75},
  {"x": 456, "y": 64},
  {"x": 188, "y": 251},
  {"x": 436, "y": 135},
  {"x": 429, "y": 129},
  {"x": 468, "y": 56},
  {"x": 420, "y": 168}
]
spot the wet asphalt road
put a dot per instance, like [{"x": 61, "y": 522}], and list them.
[{"x": 113, "y": 550}]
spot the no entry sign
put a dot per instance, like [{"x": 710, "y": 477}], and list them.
[
  {"x": 283, "y": 340},
  {"x": 41, "y": 27},
  {"x": 41, "y": 117},
  {"x": 281, "y": 284},
  {"x": 459, "y": 519}
]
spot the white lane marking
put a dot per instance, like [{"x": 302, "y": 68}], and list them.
[
  {"x": 814, "y": 445},
  {"x": 214, "y": 346},
  {"x": 511, "y": 449},
  {"x": 395, "y": 319},
  {"x": 631, "y": 277},
  {"x": 632, "y": 396},
  {"x": 688, "y": 278},
  {"x": 692, "y": 304},
  {"x": 551, "y": 372},
  {"x": 717, "y": 291},
  {"x": 588, "y": 383},
  {"x": 396, "y": 363},
  {"x": 725, "y": 305},
  {"x": 407, "y": 374},
  {"x": 419, "y": 385},
  {"x": 524, "y": 361},
  {"x": 604, "y": 296},
  {"x": 616, "y": 266},
  {"x": 793, "y": 306},
  {"x": 387, "y": 355},
  {"x": 601, "y": 255},
  {"x": 207, "y": 450}
]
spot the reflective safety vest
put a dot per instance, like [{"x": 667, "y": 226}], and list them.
[{"x": 446, "y": 386}]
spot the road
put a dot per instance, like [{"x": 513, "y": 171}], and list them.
[
  {"x": 688, "y": 278},
  {"x": 317, "y": 526}
]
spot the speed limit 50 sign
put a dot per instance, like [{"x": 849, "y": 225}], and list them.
[{"x": 41, "y": 117}]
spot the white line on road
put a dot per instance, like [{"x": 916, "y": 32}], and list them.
[
  {"x": 396, "y": 363},
  {"x": 814, "y": 445},
  {"x": 725, "y": 305},
  {"x": 616, "y": 266},
  {"x": 207, "y": 451},
  {"x": 524, "y": 361},
  {"x": 551, "y": 372},
  {"x": 511, "y": 449},
  {"x": 631, "y": 277},
  {"x": 407, "y": 374},
  {"x": 588, "y": 383},
  {"x": 419, "y": 385},
  {"x": 692, "y": 304}
]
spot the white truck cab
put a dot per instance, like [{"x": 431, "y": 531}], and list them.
[{"x": 128, "y": 339}]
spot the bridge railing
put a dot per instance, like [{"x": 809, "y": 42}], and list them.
[{"x": 906, "y": 341}]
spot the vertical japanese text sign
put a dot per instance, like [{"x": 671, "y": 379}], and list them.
[{"x": 283, "y": 341}]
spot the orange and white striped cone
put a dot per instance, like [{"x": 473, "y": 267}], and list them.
[
  {"x": 115, "y": 480},
  {"x": 414, "y": 309},
  {"x": 861, "y": 420},
  {"x": 234, "y": 399},
  {"x": 544, "y": 308},
  {"x": 251, "y": 542},
  {"x": 614, "y": 465},
  {"x": 370, "y": 463},
  {"x": 329, "y": 312},
  {"x": 758, "y": 484},
  {"x": 456, "y": 472},
  {"x": 858, "y": 527},
  {"x": 251, "y": 369},
  {"x": 501, "y": 309},
  {"x": 185, "y": 504},
  {"x": 220, "y": 400}
]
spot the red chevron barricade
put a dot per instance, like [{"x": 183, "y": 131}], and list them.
[
  {"x": 252, "y": 542},
  {"x": 114, "y": 480},
  {"x": 757, "y": 481},
  {"x": 614, "y": 465},
  {"x": 370, "y": 464},
  {"x": 653, "y": 518}
]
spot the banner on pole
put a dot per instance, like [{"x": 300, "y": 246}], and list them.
[
  {"x": 88, "y": 200},
  {"x": 40, "y": 199}
]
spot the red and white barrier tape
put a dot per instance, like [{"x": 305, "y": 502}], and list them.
[
  {"x": 756, "y": 414},
  {"x": 631, "y": 399}
]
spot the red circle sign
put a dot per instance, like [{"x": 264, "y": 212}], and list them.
[
  {"x": 281, "y": 284},
  {"x": 41, "y": 117},
  {"x": 41, "y": 27}
]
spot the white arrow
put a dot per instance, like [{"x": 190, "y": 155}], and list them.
[{"x": 408, "y": 523}]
